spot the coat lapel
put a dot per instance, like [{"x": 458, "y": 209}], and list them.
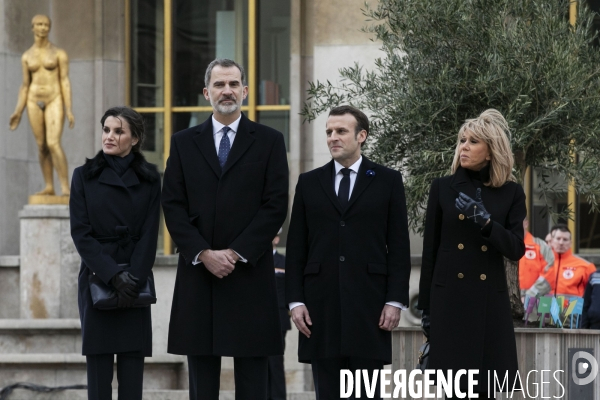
[
  {"x": 110, "y": 177},
  {"x": 130, "y": 178},
  {"x": 206, "y": 143},
  {"x": 326, "y": 177},
  {"x": 462, "y": 183},
  {"x": 243, "y": 140},
  {"x": 362, "y": 179}
]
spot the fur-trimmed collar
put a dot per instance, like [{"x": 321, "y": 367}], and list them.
[{"x": 143, "y": 169}]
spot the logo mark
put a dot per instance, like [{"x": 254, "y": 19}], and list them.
[{"x": 583, "y": 367}]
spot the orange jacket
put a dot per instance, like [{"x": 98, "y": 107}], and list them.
[
  {"x": 569, "y": 274},
  {"x": 533, "y": 264}
]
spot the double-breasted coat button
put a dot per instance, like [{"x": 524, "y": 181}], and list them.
[
  {"x": 461, "y": 216},
  {"x": 482, "y": 277},
  {"x": 461, "y": 275},
  {"x": 484, "y": 248},
  {"x": 461, "y": 246},
  {"x": 342, "y": 258},
  {"x": 342, "y": 223}
]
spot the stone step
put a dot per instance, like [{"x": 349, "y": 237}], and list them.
[
  {"x": 21, "y": 394},
  {"x": 161, "y": 372},
  {"x": 38, "y": 336}
]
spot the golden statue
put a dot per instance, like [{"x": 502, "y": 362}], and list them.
[{"x": 46, "y": 91}]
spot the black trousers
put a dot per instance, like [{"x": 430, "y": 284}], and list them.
[
  {"x": 276, "y": 383},
  {"x": 250, "y": 375},
  {"x": 326, "y": 375},
  {"x": 130, "y": 375}
]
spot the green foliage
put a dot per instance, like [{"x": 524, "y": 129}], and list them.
[{"x": 448, "y": 60}]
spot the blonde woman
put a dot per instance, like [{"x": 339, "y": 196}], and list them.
[{"x": 474, "y": 219}]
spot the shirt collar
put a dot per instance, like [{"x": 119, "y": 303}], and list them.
[
  {"x": 354, "y": 167},
  {"x": 217, "y": 126}
]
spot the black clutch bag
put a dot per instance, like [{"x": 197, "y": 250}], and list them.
[
  {"x": 104, "y": 297},
  {"x": 424, "y": 356}
]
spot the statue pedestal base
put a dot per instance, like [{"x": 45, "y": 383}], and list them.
[
  {"x": 47, "y": 199},
  {"x": 49, "y": 263}
]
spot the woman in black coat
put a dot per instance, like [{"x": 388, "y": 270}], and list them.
[
  {"x": 474, "y": 219},
  {"x": 115, "y": 199}
]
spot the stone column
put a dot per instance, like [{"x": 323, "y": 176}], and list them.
[{"x": 49, "y": 263}]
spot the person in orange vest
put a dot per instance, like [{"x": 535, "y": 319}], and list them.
[
  {"x": 538, "y": 259},
  {"x": 570, "y": 274}
]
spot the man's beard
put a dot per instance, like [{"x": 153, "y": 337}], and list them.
[{"x": 226, "y": 109}]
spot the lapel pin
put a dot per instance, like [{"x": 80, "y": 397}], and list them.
[{"x": 370, "y": 172}]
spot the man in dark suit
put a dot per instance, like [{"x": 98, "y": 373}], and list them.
[
  {"x": 225, "y": 195},
  {"x": 276, "y": 368},
  {"x": 348, "y": 257}
]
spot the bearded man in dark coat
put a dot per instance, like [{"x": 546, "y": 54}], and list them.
[{"x": 224, "y": 197}]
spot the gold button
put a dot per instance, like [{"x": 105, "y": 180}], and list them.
[
  {"x": 461, "y": 246},
  {"x": 461, "y": 216},
  {"x": 460, "y": 275},
  {"x": 484, "y": 248},
  {"x": 482, "y": 277}
]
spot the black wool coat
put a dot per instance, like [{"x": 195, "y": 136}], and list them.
[
  {"x": 463, "y": 282},
  {"x": 100, "y": 202},
  {"x": 240, "y": 207},
  {"x": 284, "y": 315},
  {"x": 346, "y": 264}
]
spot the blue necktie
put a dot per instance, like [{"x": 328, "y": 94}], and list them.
[
  {"x": 224, "y": 147},
  {"x": 344, "y": 189}
]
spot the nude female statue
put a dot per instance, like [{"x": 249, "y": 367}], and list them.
[{"x": 46, "y": 91}]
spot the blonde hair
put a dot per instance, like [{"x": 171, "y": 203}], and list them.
[{"x": 491, "y": 128}]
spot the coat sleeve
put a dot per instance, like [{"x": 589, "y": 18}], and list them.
[
  {"x": 587, "y": 302},
  {"x": 144, "y": 254},
  {"x": 431, "y": 243},
  {"x": 509, "y": 239},
  {"x": 256, "y": 238},
  {"x": 175, "y": 205},
  {"x": 297, "y": 249},
  {"x": 90, "y": 250},
  {"x": 398, "y": 245}
]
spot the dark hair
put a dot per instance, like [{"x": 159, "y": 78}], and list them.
[
  {"x": 559, "y": 227},
  {"x": 362, "y": 121},
  {"x": 225, "y": 63},
  {"x": 135, "y": 121}
]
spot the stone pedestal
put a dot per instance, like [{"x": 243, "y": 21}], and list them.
[{"x": 49, "y": 263}]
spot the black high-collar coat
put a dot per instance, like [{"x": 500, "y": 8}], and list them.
[
  {"x": 345, "y": 264},
  {"x": 100, "y": 201},
  {"x": 463, "y": 282},
  {"x": 240, "y": 206}
]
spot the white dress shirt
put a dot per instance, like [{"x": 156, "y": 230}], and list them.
[
  {"x": 338, "y": 179},
  {"x": 218, "y": 131},
  {"x": 217, "y": 136},
  {"x": 353, "y": 173}
]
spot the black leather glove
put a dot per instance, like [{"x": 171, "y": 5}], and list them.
[
  {"x": 125, "y": 301},
  {"x": 127, "y": 288},
  {"x": 473, "y": 209},
  {"x": 425, "y": 323}
]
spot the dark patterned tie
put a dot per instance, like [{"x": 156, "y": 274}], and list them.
[
  {"x": 344, "y": 189},
  {"x": 224, "y": 147}
]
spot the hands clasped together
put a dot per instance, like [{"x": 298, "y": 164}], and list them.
[
  {"x": 127, "y": 289},
  {"x": 220, "y": 263}
]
